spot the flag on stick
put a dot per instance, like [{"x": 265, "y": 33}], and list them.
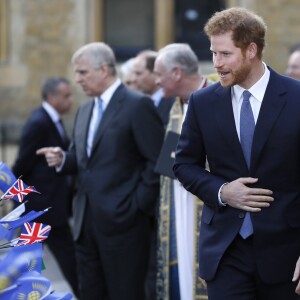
[
  {"x": 30, "y": 285},
  {"x": 13, "y": 224},
  {"x": 3, "y": 232},
  {"x": 33, "y": 232},
  {"x": 18, "y": 191},
  {"x": 14, "y": 214},
  {"x": 18, "y": 261}
]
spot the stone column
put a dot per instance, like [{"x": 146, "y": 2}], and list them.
[{"x": 164, "y": 12}]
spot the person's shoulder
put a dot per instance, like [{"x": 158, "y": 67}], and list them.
[
  {"x": 38, "y": 115},
  {"x": 283, "y": 82},
  {"x": 131, "y": 93},
  {"x": 209, "y": 91},
  {"x": 38, "y": 121},
  {"x": 135, "y": 98}
]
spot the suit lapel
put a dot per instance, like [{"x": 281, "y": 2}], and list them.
[
  {"x": 82, "y": 128},
  {"x": 271, "y": 107},
  {"x": 112, "y": 108},
  {"x": 225, "y": 120}
]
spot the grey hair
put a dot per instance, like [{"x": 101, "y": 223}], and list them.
[
  {"x": 179, "y": 55},
  {"x": 98, "y": 54},
  {"x": 50, "y": 86},
  {"x": 127, "y": 66}
]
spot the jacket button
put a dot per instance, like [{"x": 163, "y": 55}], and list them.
[{"x": 241, "y": 215}]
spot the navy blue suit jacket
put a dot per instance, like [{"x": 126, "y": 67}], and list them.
[{"x": 209, "y": 132}]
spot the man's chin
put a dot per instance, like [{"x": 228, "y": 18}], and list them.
[
  {"x": 88, "y": 93},
  {"x": 168, "y": 95},
  {"x": 226, "y": 83}
]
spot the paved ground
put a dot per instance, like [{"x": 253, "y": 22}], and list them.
[{"x": 53, "y": 273}]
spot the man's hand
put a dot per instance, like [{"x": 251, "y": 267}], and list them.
[
  {"x": 297, "y": 276},
  {"x": 238, "y": 194},
  {"x": 53, "y": 155}
]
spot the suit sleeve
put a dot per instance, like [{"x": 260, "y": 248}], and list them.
[
  {"x": 189, "y": 166},
  {"x": 33, "y": 137}
]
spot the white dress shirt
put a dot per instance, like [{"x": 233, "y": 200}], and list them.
[
  {"x": 51, "y": 111},
  {"x": 157, "y": 96}
]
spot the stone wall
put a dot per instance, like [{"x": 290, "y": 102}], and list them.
[{"x": 42, "y": 37}]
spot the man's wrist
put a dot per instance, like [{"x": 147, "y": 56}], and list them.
[
  {"x": 221, "y": 202},
  {"x": 60, "y": 166}
]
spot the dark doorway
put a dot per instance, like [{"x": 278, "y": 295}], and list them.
[
  {"x": 191, "y": 16},
  {"x": 128, "y": 26}
]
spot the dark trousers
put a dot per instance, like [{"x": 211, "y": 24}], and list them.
[
  {"x": 61, "y": 245},
  {"x": 113, "y": 267},
  {"x": 237, "y": 277}
]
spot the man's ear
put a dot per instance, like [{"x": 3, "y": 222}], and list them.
[
  {"x": 105, "y": 69},
  {"x": 51, "y": 99},
  {"x": 176, "y": 73},
  {"x": 252, "y": 50}
]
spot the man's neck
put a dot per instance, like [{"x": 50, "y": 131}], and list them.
[{"x": 191, "y": 84}]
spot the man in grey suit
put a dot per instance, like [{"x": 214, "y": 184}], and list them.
[{"x": 117, "y": 188}]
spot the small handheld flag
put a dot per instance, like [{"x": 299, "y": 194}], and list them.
[
  {"x": 18, "y": 261},
  {"x": 3, "y": 232},
  {"x": 33, "y": 232},
  {"x": 30, "y": 285},
  {"x": 13, "y": 224},
  {"x": 18, "y": 191},
  {"x": 14, "y": 214}
]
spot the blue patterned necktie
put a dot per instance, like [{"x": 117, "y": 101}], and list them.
[
  {"x": 247, "y": 126},
  {"x": 100, "y": 113},
  {"x": 92, "y": 133}
]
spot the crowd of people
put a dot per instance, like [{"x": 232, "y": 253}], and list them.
[{"x": 224, "y": 222}]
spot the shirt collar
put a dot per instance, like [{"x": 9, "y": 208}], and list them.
[
  {"x": 52, "y": 112},
  {"x": 157, "y": 96},
  {"x": 108, "y": 93},
  {"x": 257, "y": 90}
]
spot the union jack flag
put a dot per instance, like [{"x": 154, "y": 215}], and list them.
[
  {"x": 18, "y": 191},
  {"x": 33, "y": 232}
]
